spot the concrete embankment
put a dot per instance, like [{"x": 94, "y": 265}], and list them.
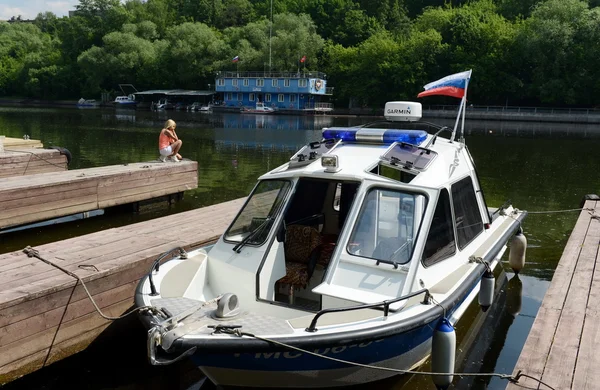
[
  {"x": 490, "y": 113},
  {"x": 520, "y": 114}
]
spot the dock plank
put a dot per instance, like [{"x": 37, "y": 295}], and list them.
[
  {"x": 560, "y": 348},
  {"x": 34, "y": 295},
  {"x": 56, "y": 194},
  {"x": 565, "y": 346}
]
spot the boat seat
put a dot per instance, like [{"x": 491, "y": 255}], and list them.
[
  {"x": 302, "y": 250},
  {"x": 327, "y": 248}
]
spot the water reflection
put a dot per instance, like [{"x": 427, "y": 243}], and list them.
[
  {"x": 539, "y": 166},
  {"x": 481, "y": 349}
]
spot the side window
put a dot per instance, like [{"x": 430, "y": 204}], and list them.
[
  {"x": 440, "y": 240},
  {"x": 386, "y": 226},
  {"x": 466, "y": 212}
]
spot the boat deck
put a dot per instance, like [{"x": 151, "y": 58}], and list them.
[
  {"x": 45, "y": 315},
  {"x": 43, "y": 196},
  {"x": 561, "y": 348}
]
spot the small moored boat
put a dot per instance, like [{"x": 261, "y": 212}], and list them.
[
  {"x": 125, "y": 101},
  {"x": 260, "y": 108},
  {"x": 87, "y": 103},
  {"x": 364, "y": 249}
]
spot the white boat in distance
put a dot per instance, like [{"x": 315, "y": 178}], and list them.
[
  {"x": 125, "y": 101},
  {"x": 87, "y": 103},
  {"x": 260, "y": 108},
  {"x": 365, "y": 248}
]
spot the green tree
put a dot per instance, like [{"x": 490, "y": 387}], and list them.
[
  {"x": 559, "y": 49},
  {"x": 194, "y": 49},
  {"x": 27, "y": 56}
]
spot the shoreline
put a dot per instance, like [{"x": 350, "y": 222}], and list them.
[{"x": 492, "y": 113}]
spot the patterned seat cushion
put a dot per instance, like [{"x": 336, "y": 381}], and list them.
[
  {"x": 296, "y": 274},
  {"x": 300, "y": 242}
]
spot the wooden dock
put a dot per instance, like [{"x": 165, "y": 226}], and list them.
[
  {"x": 44, "y": 313},
  {"x": 10, "y": 143},
  {"x": 20, "y": 161},
  {"x": 39, "y": 197},
  {"x": 561, "y": 348}
]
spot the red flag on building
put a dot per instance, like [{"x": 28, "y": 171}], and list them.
[{"x": 303, "y": 59}]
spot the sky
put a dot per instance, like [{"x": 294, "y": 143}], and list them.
[{"x": 28, "y": 9}]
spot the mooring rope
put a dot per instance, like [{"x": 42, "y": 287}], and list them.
[
  {"x": 29, "y": 251},
  {"x": 513, "y": 379},
  {"x": 560, "y": 211},
  {"x": 31, "y": 154}
]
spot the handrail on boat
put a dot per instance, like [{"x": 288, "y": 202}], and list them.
[{"x": 386, "y": 307}]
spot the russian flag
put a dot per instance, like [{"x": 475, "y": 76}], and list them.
[
  {"x": 235, "y": 59},
  {"x": 453, "y": 85}
]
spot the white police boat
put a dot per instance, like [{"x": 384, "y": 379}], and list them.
[{"x": 348, "y": 264}]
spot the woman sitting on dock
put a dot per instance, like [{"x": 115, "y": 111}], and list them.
[{"x": 168, "y": 142}]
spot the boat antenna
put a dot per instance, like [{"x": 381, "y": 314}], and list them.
[{"x": 270, "y": 35}]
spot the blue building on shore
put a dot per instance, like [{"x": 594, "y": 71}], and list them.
[{"x": 284, "y": 91}]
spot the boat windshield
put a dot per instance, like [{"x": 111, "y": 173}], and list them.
[
  {"x": 387, "y": 226},
  {"x": 258, "y": 215}
]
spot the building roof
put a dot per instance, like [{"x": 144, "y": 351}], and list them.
[{"x": 175, "y": 92}]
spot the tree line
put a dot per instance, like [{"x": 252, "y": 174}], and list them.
[{"x": 522, "y": 52}]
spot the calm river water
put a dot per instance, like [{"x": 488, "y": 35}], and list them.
[{"x": 538, "y": 166}]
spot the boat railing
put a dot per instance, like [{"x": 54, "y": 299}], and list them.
[
  {"x": 267, "y": 74},
  {"x": 385, "y": 304}
]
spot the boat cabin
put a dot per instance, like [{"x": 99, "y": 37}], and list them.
[{"x": 365, "y": 215}]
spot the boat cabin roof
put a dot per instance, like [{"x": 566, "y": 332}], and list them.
[{"x": 433, "y": 162}]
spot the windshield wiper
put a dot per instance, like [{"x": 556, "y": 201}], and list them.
[{"x": 259, "y": 229}]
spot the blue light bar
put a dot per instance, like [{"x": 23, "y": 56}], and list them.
[{"x": 376, "y": 136}]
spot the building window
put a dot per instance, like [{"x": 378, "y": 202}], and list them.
[
  {"x": 239, "y": 97},
  {"x": 280, "y": 98},
  {"x": 246, "y": 82},
  {"x": 286, "y": 82},
  {"x": 260, "y": 82},
  {"x": 229, "y": 97},
  {"x": 274, "y": 82},
  {"x": 292, "y": 98},
  {"x": 234, "y": 82},
  {"x": 440, "y": 242},
  {"x": 221, "y": 82},
  {"x": 268, "y": 97},
  {"x": 302, "y": 83},
  {"x": 251, "y": 98},
  {"x": 466, "y": 212}
]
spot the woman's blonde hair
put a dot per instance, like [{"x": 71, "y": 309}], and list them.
[{"x": 170, "y": 124}]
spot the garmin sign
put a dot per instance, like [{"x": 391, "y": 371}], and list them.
[
  {"x": 399, "y": 111},
  {"x": 403, "y": 111}
]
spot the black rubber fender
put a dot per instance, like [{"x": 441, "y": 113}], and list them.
[{"x": 64, "y": 151}]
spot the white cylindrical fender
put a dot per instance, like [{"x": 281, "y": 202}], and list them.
[
  {"x": 486, "y": 290},
  {"x": 443, "y": 351},
  {"x": 518, "y": 247}
]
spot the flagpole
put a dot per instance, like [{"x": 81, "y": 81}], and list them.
[
  {"x": 462, "y": 128},
  {"x": 460, "y": 108},
  {"x": 270, "y": 35}
]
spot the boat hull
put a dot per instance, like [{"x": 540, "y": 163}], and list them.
[{"x": 281, "y": 368}]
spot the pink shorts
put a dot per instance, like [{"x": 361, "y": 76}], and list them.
[{"x": 166, "y": 151}]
